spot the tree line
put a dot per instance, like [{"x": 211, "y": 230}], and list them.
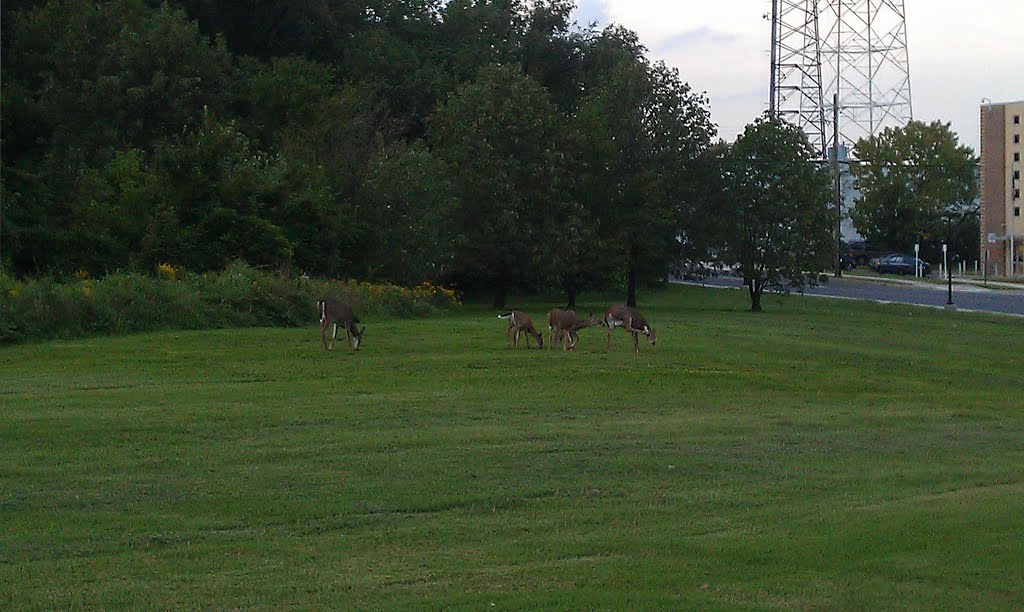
[
  {"x": 491, "y": 145},
  {"x": 494, "y": 145}
]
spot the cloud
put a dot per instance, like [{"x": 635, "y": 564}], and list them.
[{"x": 695, "y": 38}]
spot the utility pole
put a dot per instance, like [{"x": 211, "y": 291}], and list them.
[
  {"x": 772, "y": 110},
  {"x": 838, "y": 229}
]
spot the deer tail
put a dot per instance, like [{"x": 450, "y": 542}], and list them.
[{"x": 320, "y": 308}]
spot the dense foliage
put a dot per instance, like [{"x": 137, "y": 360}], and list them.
[
  {"x": 774, "y": 202},
  {"x": 238, "y": 296},
  {"x": 491, "y": 144},
  {"x": 918, "y": 185}
]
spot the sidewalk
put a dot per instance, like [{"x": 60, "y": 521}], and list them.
[{"x": 957, "y": 280}]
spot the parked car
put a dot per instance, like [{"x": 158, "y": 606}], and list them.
[
  {"x": 903, "y": 264},
  {"x": 863, "y": 251},
  {"x": 877, "y": 261}
]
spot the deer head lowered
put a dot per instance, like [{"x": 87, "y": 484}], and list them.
[
  {"x": 333, "y": 312},
  {"x": 565, "y": 325},
  {"x": 519, "y": 323},
  {"x": 632, "y": 321}
]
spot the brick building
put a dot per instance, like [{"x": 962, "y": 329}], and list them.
[{"x": 1002, "y": 226}]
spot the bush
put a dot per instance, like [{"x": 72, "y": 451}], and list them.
[{"x": 240, "y": 296}]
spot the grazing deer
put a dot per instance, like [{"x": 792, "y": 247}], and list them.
[
  {"x": 333, "y": 312},
  {"x": 519, "y": 322},
  {"x": 564, "y": 324},
  {"x": 630, "y": 320}
]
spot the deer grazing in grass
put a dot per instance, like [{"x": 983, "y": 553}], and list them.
[
  {"x": 629, "y": 319},
  {"x": 333, "y": 312},
  {"x": 564, "y": 325},
  {"x": 518, "y": 323}
]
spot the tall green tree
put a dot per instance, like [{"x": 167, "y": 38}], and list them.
[
  {"x": 409, "y": 199},
  {"x": 775, "y": 219},
  {"x": 86, "y": 86},
  {"x": 501, "y": 133},
  {"x": 911, "y": 179},
  {"x": 643, "y": 132}
]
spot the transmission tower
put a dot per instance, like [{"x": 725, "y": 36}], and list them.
[
  {"x": 854, "y": 48},
  {"x": 796, "y": 87}
]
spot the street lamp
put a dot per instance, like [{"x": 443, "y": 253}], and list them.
[
  {"x": 945, "y": 247},
  {"x": 949, "y": 275}
]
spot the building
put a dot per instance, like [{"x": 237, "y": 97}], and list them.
[
  {"x": 1002, "y": 226},
  {"x": 848, "y": 193}
]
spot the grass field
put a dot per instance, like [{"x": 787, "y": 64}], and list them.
[{"x": 824, "y": 454}]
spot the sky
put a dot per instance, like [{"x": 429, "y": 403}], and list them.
[{"x": 960, "y": 53}]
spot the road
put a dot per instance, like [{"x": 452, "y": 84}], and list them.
[{"x": 965, "y": 297}]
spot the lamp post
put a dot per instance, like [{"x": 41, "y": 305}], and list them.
[{"x": 949, "y": 277}]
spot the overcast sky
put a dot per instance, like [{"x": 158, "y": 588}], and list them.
[{"x": 960, "y": 52}]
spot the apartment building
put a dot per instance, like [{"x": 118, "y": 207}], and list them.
[{"x": 1002, "y": 226}]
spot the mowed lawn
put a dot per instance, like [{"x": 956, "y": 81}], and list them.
[{"x": 823, "y": 454}]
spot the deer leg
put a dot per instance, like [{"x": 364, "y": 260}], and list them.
[
  {"x": 323, "y": 334},
  {"x": 636, "y": 342},
  {"x": 348, "y": 335},
  {"x": 628, "y": 326},
  {"x": 518, "y": 333},
  {"x": 333, "y": 338}
]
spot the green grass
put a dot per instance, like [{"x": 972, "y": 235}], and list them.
[{"x": 824, "y": 454}]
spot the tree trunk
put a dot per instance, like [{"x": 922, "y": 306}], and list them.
[
  {"x": 570, "y": 292},
  {"x": 755, "y": 287},
  {"x": 634, "y": 255}
]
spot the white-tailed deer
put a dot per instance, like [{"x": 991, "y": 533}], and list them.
[
  {"x": 565, "y": 325},
  {"x": 630, "y": 320},
  {"x": 518, "y": 323},
  {"x": 333, "y": 312}
]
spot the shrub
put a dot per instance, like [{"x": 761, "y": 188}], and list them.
[{"x": 173, "y": 299}]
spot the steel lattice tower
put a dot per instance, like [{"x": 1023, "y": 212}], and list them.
[
  {"x": 854, "y": 48},
  {"x": 796, "y": 87}
]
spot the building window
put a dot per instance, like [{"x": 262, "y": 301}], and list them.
[
  {"x": 1016, "y": 156},
  {"x": 1016, "y": 119},
  {"x": 1016, "y": 175},
  {"x": 1016, "y": 211},
  {"x": 1016, "y": 139},
  {"x": 1016, "y": 194}
]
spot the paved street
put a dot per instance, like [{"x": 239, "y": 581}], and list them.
[{"x": 965, "y": 297}]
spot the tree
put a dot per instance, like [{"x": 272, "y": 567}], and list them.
[
  {"x": 502, "y": 135},
  {"x": 88, "y": 88},
  {"x": 911, "y": 179},
  {"x": 409, "y": 199},
  {"x": 643, "y": 131},
  {"x": 215, "y": 199},
  {"x": 774, "y": 208}
]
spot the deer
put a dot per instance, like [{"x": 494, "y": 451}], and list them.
[
  {"x": 564, "y": 324},
  {"x": 518, "y": 323},
  {"x": 629, "y": 319},
  {"x": 333, "y": 312}
]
